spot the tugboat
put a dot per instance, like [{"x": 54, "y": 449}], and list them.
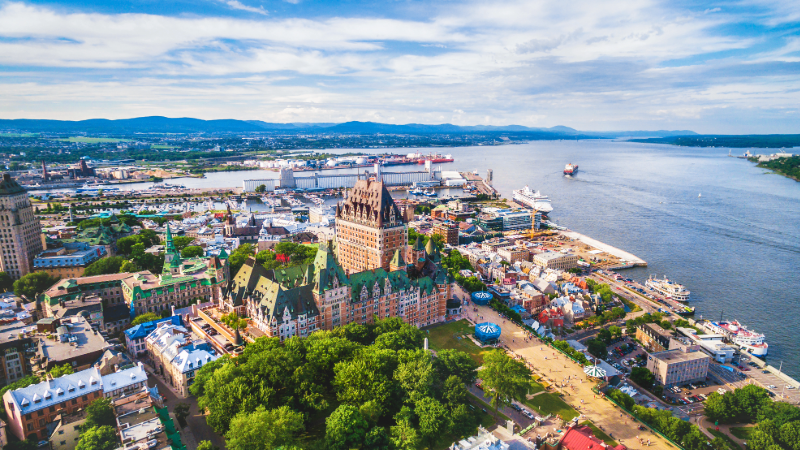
[{"x": 571, "y": 169}]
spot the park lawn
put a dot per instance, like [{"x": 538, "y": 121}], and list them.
[
  {"x": 547, "y": 403},
  {"x": 600, "y": 434},
  {"x": 742, "y": 433},
  {"x": 731, "y": 444},
  {"x": 535, "y": 387},
  {"x": 449, "y": 336}
]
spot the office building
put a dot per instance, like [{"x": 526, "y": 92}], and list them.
[
  {"x": 678, "y": 366},
  {"x": 556, "y": 260},
  {"x": 448, "y": 232},
  {"x": 20, "y": 231}
]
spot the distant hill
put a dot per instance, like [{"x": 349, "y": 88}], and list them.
[
  {"x": 159, "y": 124},
  {"x": 735, "y": 141}
]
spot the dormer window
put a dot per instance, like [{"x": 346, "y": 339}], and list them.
[
  {"x": 47, "y": 395},
  {"x": 81, "y": 384},
  {"x": 59, "y": 392},
  {"x": 71, "y": 388}
]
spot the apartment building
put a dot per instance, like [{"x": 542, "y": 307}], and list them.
[{"x": 556, "y": 260}]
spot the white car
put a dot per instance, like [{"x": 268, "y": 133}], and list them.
[
  {"x": 528, "y": 414},
  {"x": 772, "y": 386}
]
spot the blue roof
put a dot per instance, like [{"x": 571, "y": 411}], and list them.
[{"x": 142, "y": 330}]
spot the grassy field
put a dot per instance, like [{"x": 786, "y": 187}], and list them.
[
  {"x": 163, "y": 147},
  {"x": 731, "y": 445},
  {"x": 742, "y": 433},
  {"x": 449, "y": 336},
  {"x": 90, "y": 140},
  {"x": 598, "y": 433},
  {"x": 547, "y": 403},
  {"x": 535, "y": 387}
]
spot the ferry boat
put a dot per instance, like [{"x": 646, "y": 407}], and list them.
[
  {"x": 748, "y": 340},
  {"x": 416, "y": 191},
  {"x": 571, "y": 169},
  {"x": 667, "y": 288},
  {"x": 430, "y": 193},
  {"x": 533, "y": 199}
]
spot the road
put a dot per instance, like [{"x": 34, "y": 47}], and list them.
[
  {"x": 198, "y": 430},
  {"x": 555, "y": 368}
]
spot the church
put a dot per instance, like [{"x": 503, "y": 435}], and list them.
[{"x": 369, "y": 271}]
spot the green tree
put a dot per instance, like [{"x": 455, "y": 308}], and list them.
[
  {"x": 454, "y": 392},
  {"x": 238, "y": 256},
  {"x": 616, "y": 332},
  {"x": 6, "y": 282},
  {"x": 433, "y": 418},
  {"x": 621, "y": 398},
  {"x": 144, "y": 318},
  {"x": 643, "y": 377},
  {"x": 377, "y": 439},
  {"x": 345, "y": 428},
  {"x": 104, "y": 266},
  {"x": 181, "y": 242},
  {"x": 33, "y": 284},
  {"x": 463, "y": 421},
  {"x": 192, "y": 251},
  {"x": 405, "y": 436},
  {"x": 181, "y": 411},
  {"x": 100, "y": 413},
  {"x": 597, "y": 348},
  {"x": 206, "y": 445},
  {"x": 264, "y": 429},
  {"x": 128, "y": 267},
  {"x": 604, "y": 335},
  {"x": 504, "y": 378},
  {"x": 98, "y": 438},
  {"x": 58, "y": 371},
  {"x": 454, "y": 362},
  {"x": 261, "y": 188}
]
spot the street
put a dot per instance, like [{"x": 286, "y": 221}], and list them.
[{"x": 196, "y": 430}]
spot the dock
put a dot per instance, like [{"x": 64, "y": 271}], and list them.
[{"x": 627, "y": 260}]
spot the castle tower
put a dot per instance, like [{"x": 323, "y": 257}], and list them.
[
  {"x": 369, "y": 228},
  {"x": 172, "y": 257},
  {"x": 21, "y": 229}
]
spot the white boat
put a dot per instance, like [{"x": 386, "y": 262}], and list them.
[
  {"x": 430, "y": 193},
  {"x": 533, "y": 199},
  {"x": 416, "y": 191},
  {"x": 667, "y": 288},
  {"x": 748, "y": 340}
]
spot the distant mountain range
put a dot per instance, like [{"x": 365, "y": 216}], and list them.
[{"x": 158, "y": 124}]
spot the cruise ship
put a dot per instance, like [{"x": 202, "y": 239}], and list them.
[
  {"x": 748, "y": 340},
  {"x": 533, "y": 199},
  {"x": 667, "y": 288}
]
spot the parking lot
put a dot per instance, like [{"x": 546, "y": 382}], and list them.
[{"x": 626, "y": 354}]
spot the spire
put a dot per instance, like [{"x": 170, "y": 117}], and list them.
[
  {"x": 429, "y": 247},
  {"x": 169, "y": 246},
  {"x": 396, "y": 260}
]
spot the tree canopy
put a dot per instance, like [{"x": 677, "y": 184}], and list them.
[
  {"x": 58, "y": 371},
  {"x": 103, "y": 266},
  {"x": 238, "y": 257},
  {"x": 98, "y": 438},
  {"x": 192, "y": 251},
  {"x": 504, "y": 378},
  {"x": 386, "y": 389},
  {"x": 33, "y": 284}
]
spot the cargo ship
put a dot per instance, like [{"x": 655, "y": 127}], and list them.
[
  {"x": 747, "y": 340},
  {"x": 571, "y": 169},
  {"x": 667, "y": 288},
  {"x": 433, "y": 158}
]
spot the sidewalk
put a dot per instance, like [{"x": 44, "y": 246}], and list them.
[{"x": 602, "y": 413}]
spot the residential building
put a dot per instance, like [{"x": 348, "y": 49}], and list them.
[
  {"x": 135, "y": 336},
  {"x": 182, "y": 282},
  {"x": 20, "y": 230},
  {"x": 514, "y": 254},
  {"x": 69, "y": 261},
  {"x": 67, "y": 430},
  {"x": 556, "y": 260},
  {"x": 102, "y": 235},
  {"x": 77, "y": 344},
  {"x": 448, "y": 231},
  {"x": 31, "y": 409},
  {"x": 369, "y": 228},
  {"x": 653, "y": 337},
  {"x": 17, "y": 345},
  {"x": 177, "y": 356},
  {"x": 678, "y": 366}
]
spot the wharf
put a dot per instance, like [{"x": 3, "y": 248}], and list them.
[{"x": 628, "y": 260}]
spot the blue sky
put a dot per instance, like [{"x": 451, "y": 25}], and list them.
[{"x": 712, "y": 67}]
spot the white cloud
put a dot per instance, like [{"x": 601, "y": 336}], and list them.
[
  {"x": 236, "y": 4},
  {"x": 584, "y": 63}
]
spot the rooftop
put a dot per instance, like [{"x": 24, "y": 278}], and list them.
[
  {"x": 83, "y": 340},
  {"x": 67, "y": 284},
  {"x": 677, "y": 355}
]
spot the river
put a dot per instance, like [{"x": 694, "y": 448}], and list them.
[{"x": 726, "y": 229}]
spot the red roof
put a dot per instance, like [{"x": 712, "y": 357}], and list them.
[{"x": 582, "y": 438}]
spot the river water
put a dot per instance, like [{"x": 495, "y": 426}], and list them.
[{"x": 726, "y": 229}]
